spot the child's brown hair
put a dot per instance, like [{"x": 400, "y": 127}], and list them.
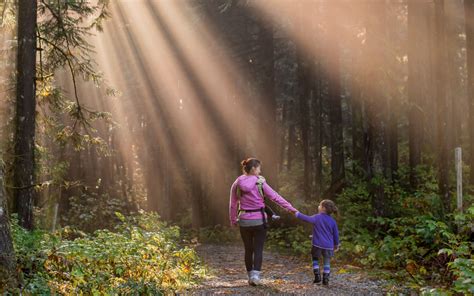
[{"x": 329, "y": 205}]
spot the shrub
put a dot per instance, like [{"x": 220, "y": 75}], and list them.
[
  {"x": 295, "y": 240},
  {"x": 218, "y": 234},
  {"x": 141, "y": 257}
]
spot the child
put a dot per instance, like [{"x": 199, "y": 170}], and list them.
[{"x": 325, "y": 238}]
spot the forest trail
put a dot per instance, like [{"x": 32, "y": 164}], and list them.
[{"x": 282, "y": 274}]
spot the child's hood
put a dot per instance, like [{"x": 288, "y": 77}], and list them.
[{"x": 247, "y": 183}]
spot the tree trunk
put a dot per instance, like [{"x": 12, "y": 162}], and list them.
[
  {"x": 376, "y": 108},
  {"x": 317, "y": 134},
  {"x": 454, "y": 95},
  {"x": 416, "y": 45},
  {"x": 392, "y": 80},
  {"x": 334, "y": 100},
  {"x": 392, "y": 136},
  {"x": 304, "y": 95},
  {"x": 7, "y": 253},
  {"x": 24, "y": 140},
  {"x": 358, "y": 135},
  {"x": 469, "y": 23},
  {"x": 197, "y": 199},
  {"x": 291, "y": 134},
  {"x": 430, "y": 131},
  {"x": 269, "y": 139},
  {"x": 283, "y": 133},
  {"x": 441, "y": 103}
]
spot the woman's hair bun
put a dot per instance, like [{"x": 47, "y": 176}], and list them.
[{"x": 249, "y": 163}]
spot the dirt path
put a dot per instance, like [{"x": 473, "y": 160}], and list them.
[{"x": 281, "y": 275}]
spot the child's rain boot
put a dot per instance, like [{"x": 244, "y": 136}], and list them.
[
  {"x": 317, "y": 276},
  {"x": 326, "y": 279}
]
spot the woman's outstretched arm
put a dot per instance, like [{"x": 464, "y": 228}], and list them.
[
  {"x": 274, "y": 196},
  {"x": 233, "y": 204}
]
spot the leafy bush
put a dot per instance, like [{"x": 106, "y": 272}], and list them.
[
  {"x": 141, "y": 257},
  {"x": 295, "y": 240},
  {"x": 461, "y": 253},
  {"x": 90, "y": 211},
  {"x": 424, "y": 247},
  {"x": 217, "y": 234},
  {"x": 415, "y": 240}
]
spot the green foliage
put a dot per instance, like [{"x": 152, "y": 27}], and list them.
[
  {"x": 295, "y": 240},
  {"x": 461, "y": 253},
  {"x": 217, "y": 234},
  {"x": 141, "y": 257},
  {"x": 424, "y": 247},
  {"x": 64, "y": 32},
  {"x": 91, "y": 210},
  {"x": 415, "y": 241}
]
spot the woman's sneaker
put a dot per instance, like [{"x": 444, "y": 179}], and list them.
[
  {"x": 250, "y": 275},
  {"x": 254, "y": 279}
]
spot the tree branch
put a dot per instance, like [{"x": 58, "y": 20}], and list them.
[
  {"x": 29, "y": 186},
  {"x": 71, "y": 69}
]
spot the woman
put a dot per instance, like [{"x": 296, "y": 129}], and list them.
[{"x": 250, "y": 215}]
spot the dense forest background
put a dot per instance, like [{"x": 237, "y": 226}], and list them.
[{"x": 132, "y": 106}]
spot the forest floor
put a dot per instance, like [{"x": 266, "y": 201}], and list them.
[{"x": 282, "y": 274}]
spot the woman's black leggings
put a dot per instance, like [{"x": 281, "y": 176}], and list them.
[{"x": 253, "y": 237}]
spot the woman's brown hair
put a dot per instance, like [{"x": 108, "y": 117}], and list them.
[{"x": 249, "y": 163}]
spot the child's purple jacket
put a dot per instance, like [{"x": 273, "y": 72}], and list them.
[
  {"x": 325, "y": 233},
  {"x": 251, "y": 199}
]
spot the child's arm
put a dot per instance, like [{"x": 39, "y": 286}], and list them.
[
  {"x": 233, "y": 204},
  {"x": 309, "y": 219}
]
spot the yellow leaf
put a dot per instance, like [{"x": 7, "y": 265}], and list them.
[
  {"x": 44, "y": 92},
  {"x": 342, "y": 271}
]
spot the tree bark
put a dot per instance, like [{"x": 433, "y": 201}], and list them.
[
  {"x": 416, "y": 45},
  {"x": 283, "y": 133},
  {"x": 441, "y": 103},
  {"x": 7, "y": 253},
  {"x": 376, "y": 108},
  {"x": 358, "y": 134},
  {"x": 304, "y": 95},
  {"x": 317, "y": 134},
  {"x": 291, "y": 134},
  {"x": 469, "y": 23},
  {"x": 197, "y": 199},
  {"x": 334, "y": 99},
  {"x": 392, "y": 78},
  {"x": 269, "y": 140},
  {"x": 24, "y": 139},
  {"x": 454, "y": 62}
]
